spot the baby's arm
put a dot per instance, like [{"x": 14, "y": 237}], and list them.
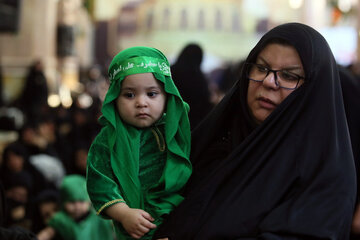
[{"x": 136, "y": 222}]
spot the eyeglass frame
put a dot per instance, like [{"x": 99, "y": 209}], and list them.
[{"x": 275, "y": 75}]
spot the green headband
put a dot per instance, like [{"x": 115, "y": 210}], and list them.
[{"x": 139, "y": 65}]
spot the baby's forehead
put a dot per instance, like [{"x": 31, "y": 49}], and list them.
[{"x": 141, "y": 80}]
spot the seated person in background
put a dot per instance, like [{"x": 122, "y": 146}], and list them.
[{"x": 76, "y": 220}]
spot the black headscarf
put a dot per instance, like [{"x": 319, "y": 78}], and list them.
[
  {"x": 350, "y": 86},
  {"x": 292, "y": 177},
  {"x": 351, "y": 92}
]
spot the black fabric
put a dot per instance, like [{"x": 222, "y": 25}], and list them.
[
  {"x": 15, "y": 232},
  {"x": 192, "y": 83},
  {"x": 292, "y": 177},
  {"x": 351, "y": 92},
  {"x": 350, "y": 86},
  {"x": 3, "y": 212}
]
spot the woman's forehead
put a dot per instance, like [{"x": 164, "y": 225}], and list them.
[{"x": 280, "y": 55}]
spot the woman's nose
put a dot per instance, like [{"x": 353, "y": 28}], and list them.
[{"x": 270, "y": 81}]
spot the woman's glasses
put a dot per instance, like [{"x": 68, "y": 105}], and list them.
[{"x": 283, "y": 78}]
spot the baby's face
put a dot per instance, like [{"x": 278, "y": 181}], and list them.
[
  {"x": 142, "y": 100},
  {"x": 77, "y": 209}
]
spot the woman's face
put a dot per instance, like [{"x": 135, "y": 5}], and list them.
[{"x": 263, "y": 97}]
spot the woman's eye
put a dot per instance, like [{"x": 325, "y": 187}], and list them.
[
  {"x": 261, "y": 68},
  {"x": 152, "y": 94},
  {"x": 288, "y": 76}
]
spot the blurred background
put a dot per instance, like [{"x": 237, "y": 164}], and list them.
[
  {"x": 54, "y": 56},
  {"x": 70, "y": 37}
]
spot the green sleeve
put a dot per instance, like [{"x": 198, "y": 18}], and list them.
[{"x": 102, "y": 185}]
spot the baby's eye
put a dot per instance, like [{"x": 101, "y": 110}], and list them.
[
  {"x": 129, "y": 95},
  {"x": 152, "y": 94}
]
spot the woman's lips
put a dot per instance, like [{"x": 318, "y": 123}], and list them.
[{"x": 266, "y": 103}]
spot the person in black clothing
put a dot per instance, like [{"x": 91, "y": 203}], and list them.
[
  {"x": 1, "y": 87},
  {"x": 43, "y": 207},
  {"x": 33, "y": 98},
  {"x": 13, "y": 232},
  {"x": 273, "y": 160},
  {"x": 192, "y": 83}
]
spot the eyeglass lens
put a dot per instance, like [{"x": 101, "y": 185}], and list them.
[{"x": 283, "y": 78}]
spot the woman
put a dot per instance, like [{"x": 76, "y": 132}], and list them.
[{"x": 277, "y": 163}]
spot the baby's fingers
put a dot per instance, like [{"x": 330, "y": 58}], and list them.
[
  {"x": 147, "y": 216},
  {"x": 136, "y": 236},
  {"x": 148, "y": 220}
]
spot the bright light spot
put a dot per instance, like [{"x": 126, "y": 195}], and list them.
[
  {"x": 296, "y": 4},
  {"x": 85, "y": 100},
  {"x": 344, "y": 5},
  {"x": 65, "y": 96},
  {"x": 54, "y": 100},
  {"x": 257, "y": 8},
  {"x": 67, "y": 102}
]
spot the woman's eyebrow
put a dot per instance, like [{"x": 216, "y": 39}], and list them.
[
  {"x": 262, "y": 59},
  {"x": 294, "y": 67}
]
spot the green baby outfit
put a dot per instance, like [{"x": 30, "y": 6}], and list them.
[{"x": 148, "y": 167}]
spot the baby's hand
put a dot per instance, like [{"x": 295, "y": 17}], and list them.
[{"x": 137, "y": 222}]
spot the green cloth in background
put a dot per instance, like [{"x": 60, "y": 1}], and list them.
[{"x": 92, "y": 227}]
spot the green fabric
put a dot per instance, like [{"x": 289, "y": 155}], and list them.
[
  {"x": 139, "y": 65},
  {"x": 91, "y": 228},
  {"x": 151, "y": 160},
  {"x": 73, "y": 188},
  {"x": 113, "y": 160}
]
